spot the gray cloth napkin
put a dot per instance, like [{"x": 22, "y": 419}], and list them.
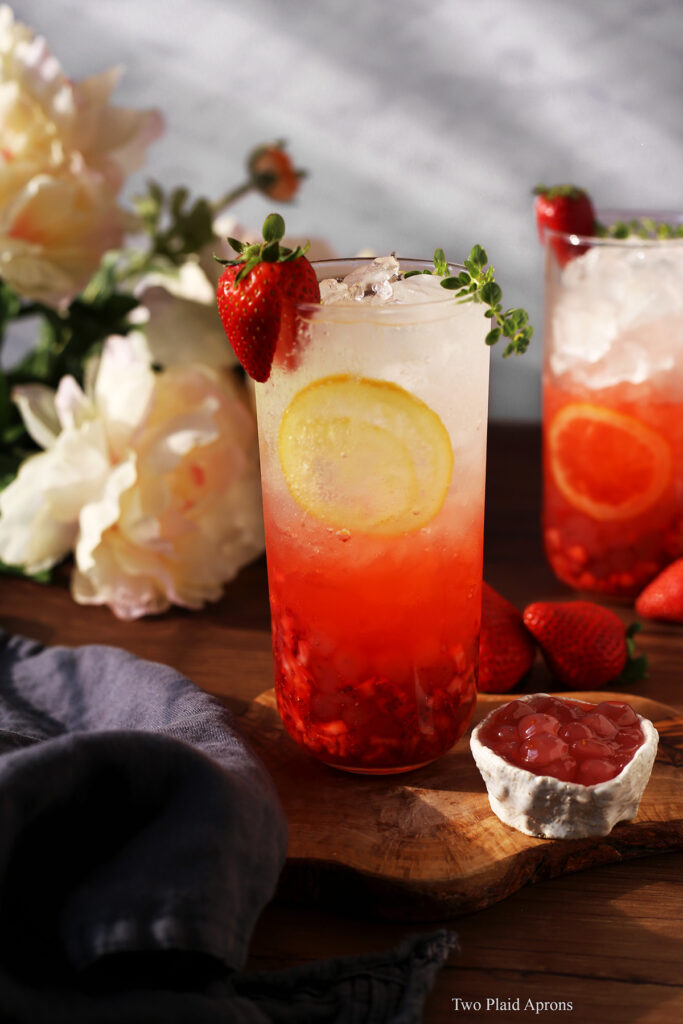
[{"x": 140, "y": 838}]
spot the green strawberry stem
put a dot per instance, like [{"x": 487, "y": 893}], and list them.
[
  {"x": 268, "y": 251},
  {"x": 636, "y": 665},
  {"x": 559, "y": 191}
]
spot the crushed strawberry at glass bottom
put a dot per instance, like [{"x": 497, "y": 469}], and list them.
[{"x": 372, "y": 432}]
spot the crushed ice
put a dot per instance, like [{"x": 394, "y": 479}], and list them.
[{"x": 380, "y": 281}]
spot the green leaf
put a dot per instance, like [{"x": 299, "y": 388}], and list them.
[
  {"x": 451, "y": 284},
  {"x": 15, "y": 570},
  {"x": 273, "y": 228},
  {"x": 478, "y": 256},
  {"x": 491, "y": 293},
  {"x": 476, "y": 284},
  {"x": 440, "y": 263},
  {"x": 271, "y": 252}
]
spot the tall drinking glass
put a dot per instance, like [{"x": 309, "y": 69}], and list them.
[
  {"x": 613, "y": 408},
  {"x": 372, "y": 437}
]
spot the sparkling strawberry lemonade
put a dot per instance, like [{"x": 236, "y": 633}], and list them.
[
  {"x": 613, "y": 412},
  {"x": 372, "y": 435}
]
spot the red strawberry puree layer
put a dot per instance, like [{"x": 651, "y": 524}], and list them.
[{"x": 569, "y": 740}]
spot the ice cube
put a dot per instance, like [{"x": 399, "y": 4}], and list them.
[
  {"x": 619, "y": 316},
  {"x": 419, "y": 288},
  {"x": 373, "y": 278},
  {"x": 332, "y": 290}
]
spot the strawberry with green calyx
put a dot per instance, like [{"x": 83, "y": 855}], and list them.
[
  {"x": 506, "y": 649},
  {"x": 662, "y": 598},
  {"x": 566, "y": 209},
  {"x": 257, "y": 294},
  {"x": 584, "y": 645}
]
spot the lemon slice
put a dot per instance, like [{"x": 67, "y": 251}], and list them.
[
  {"x": 365, "y": 455},
  {"x": 606, "y": 463}
]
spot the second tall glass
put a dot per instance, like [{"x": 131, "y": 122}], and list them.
[{"x": 613, "y": 408}]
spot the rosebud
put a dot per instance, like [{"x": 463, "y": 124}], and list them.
[{"x": 273, "y": 173}]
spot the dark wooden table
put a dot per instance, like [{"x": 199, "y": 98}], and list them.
[{"x": 608, "y": 941}]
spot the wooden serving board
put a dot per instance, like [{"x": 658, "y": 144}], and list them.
[{"x": 426, "y": 844}]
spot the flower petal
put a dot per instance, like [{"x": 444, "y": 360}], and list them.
[{"x": 36, "y": 404}]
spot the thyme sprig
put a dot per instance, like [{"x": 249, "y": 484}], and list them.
[
  {"x": 640, "y": 227},
  {"x": 476, "y": 284}
]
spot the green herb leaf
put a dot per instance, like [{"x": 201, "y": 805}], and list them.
[
  {"x": 476, "y": 284},
  {"x": 642, "y": 227}
]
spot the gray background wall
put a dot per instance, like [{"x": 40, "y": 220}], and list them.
[{"x": 421, "y": 123}]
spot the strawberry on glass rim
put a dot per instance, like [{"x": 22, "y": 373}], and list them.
[
  {"x": 257, "y": 294},
  {"x": 561, "y": 768},
  {"x": 567, "y": 210}
]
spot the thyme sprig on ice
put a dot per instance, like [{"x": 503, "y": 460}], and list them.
[
  {"x": 475, "y": 283},
  {"x": 639, "y": 227}
]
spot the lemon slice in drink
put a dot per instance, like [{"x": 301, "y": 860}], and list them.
[{"x": 365, "y": 455}]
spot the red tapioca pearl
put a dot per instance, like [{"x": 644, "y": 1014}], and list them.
[
  {"x": 600, "y": 725},
  {"x": 509, "y": 750},
  {"x": 553, "y": 539},
  {"x": 514, "y": 711},
  {"x": 645, "y": 571},
  {"x": 674, "y": 539},
  {"x": 573, "y": 731},
  {"x": 532, "y": 725},
  {"x": 595, "y": 770},
  {"x": 629, "y": 739},
  {"x": 591, "y": 748},
  {"x": 618, "y": 712},
  {"x": 578, "y": 709},
  {"x": 577, "y": 554},
  {"x": 563, "y": 769},
  {"x": 541, "y": 749},
  {"x": 507, "y": 734},
  {"x": 562, "y": 710}
]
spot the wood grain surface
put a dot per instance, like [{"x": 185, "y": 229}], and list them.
[
  {"x": 608, "y": 939},
  {"x": 426, "y": 843}
]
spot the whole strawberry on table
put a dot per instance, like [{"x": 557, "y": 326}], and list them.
[{"x": 584, "y": 645}]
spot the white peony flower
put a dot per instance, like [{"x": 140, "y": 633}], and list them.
[
  {"x": 178, "y": 309},
  {"x": 151, "y": 479},
  {"x": 64, "y": 155}
]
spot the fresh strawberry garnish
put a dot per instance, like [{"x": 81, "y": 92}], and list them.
[
  {"x": 257, "y": 294},
  {"x": 584, "y": 645},
  {"x": 506, "y": 649},
  {"x": 663, "y": 596},
  {"x": 567, "y": 209}
]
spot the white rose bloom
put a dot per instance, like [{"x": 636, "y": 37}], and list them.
[
  {"x": 150, "y": 478},
  {"x": 64, "y": 155}
]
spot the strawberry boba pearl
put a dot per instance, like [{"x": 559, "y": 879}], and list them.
[
  {"x": 570, "y": 740},
  {"x": 558, "y": 768}
]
